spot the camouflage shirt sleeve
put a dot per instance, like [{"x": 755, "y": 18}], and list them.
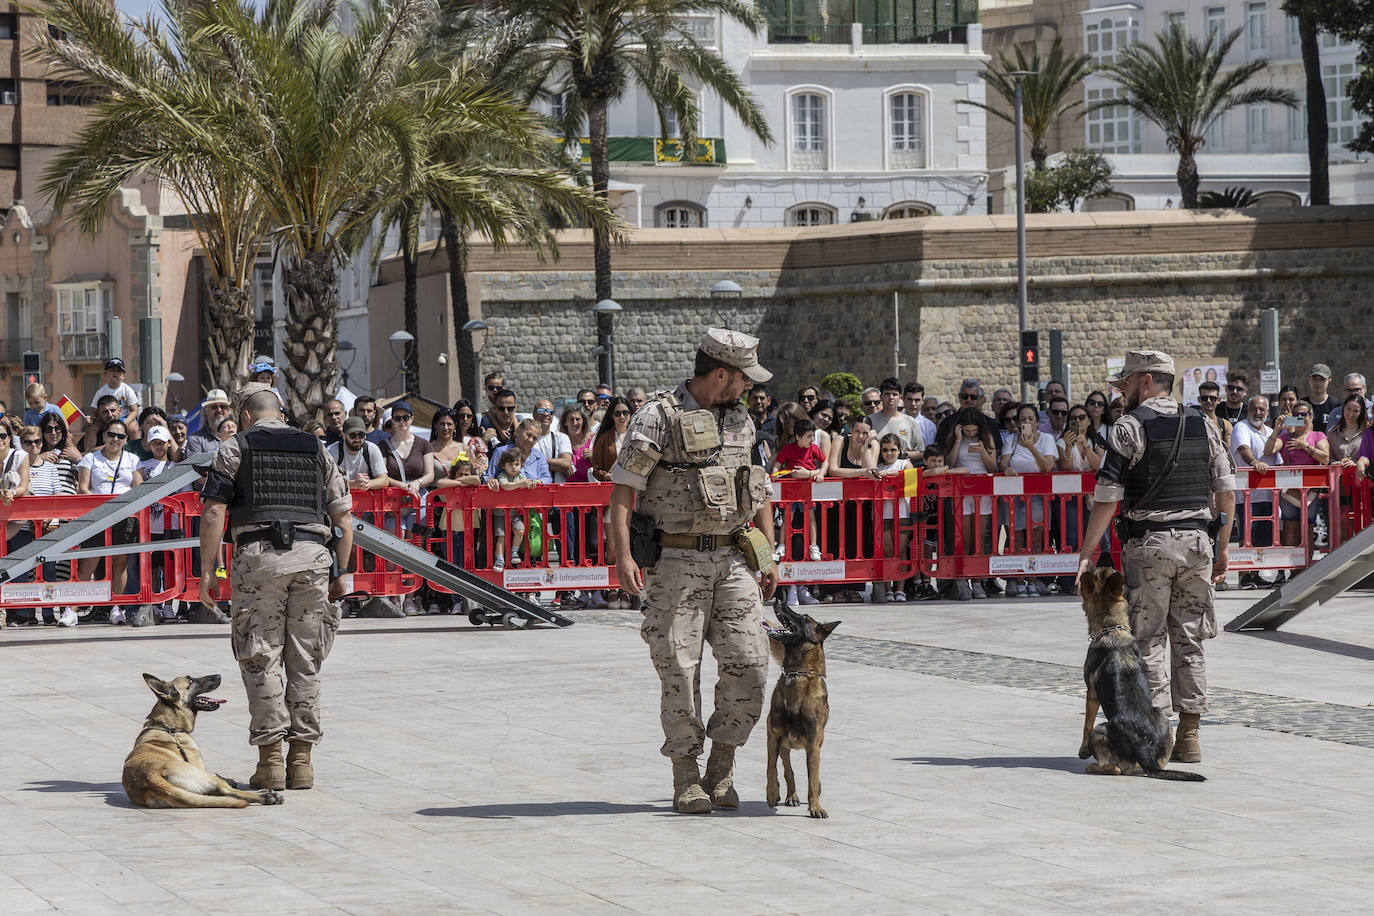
[
  {"x": 643, "y": 446},
  {"x": 337, "y": 498},
  {"x": 226, "y": 460},
  {"x": 1127, "y": 439}
]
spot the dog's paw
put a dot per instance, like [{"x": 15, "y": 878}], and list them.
[
  {"x": 772, "y": 799},
  {"x": 792, "y": 801},
  {"x": 1084, "y": 752},
  {"x": 816, "y": 810},
  {"x": 272, "y": 797}
]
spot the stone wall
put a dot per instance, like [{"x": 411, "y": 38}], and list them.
[{"x": 822, "y": 300}]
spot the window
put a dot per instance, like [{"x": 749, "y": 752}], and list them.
[
  {"x": 1256, "y": 26},
  {"x": 1333, "y": 41},
  {"x": 557, "y": 107},
  {"x": 71, "y": 94},
  {"x": 8, "y": 26},
  {"x": 1215, "y": 141},
  {"x": 906, "y": 145},
  {"x": 1178, "y": 19},
  {"x": 1297, "y": 122},
  {"x": 909, "y": 210},
  {"x": 1340, "y": 113},
  {"x": 811, "y": 215},
  {"x": 1257, "y": 126},
  {"x": 1108, "y": 203},
  {"x": 679, "y": 215},
  {"x": 9, "y": 92},
  {"x": 670, "y": 122},
  {"x": 83, "y": 313},
  {"x": 1104, "y": 37},
  {"x": 1115, "y": 129},
  {"x": 1291, "y": 28},
  {"x": 808, "y": 131},
  {"x": 1216, "y": 21}
]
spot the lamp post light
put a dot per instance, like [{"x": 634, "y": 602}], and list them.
[
  {"x": 406, "y": 340},
  {"x": 1022, "y": 321},
  {"x": 723, "y": 291},
  {"x": 346, "y": 346},
  {"x": 473, "y": 328},
  {"x": 608, "y": 308},
  {"x": 172, "y": 376}
]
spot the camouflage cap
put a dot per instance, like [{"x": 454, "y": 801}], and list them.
[
  {"x": 735, "y": 349},
  {"x": 1144, "y": 361},
  {"x": 242, "y": 395}
]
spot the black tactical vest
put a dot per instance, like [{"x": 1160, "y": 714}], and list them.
[
  {"x": 280, "y": 478},
  {"x": 1189, "y": 486}
]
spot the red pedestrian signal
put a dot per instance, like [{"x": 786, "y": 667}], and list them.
[{"x": 1030, "y": 356}]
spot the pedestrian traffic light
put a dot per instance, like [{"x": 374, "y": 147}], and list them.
[
  {"x": 1030, "y": 356},
  {"x": 33, "y": 373}
]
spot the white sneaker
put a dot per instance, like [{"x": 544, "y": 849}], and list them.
[
  {"x": 116, "y": 614},
  {"x": 790, "y": 596},
  {"x": 410, "y": 608},
  {"x": 500, "y": 564},
  {"x": 814, "y": 554},
  {"x": 806, "y": 596},
  {"x": 67, "y": 618},
  {"x": 778, "y": 552}
]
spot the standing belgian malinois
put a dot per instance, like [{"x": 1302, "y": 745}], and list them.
[
  {"x": 801, "y": 705},
  {"x": 165, "y": 770},
  {"x": 1135, "y": 740}
]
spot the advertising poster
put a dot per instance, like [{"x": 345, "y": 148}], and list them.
[{"x": 1193, "y": 372}]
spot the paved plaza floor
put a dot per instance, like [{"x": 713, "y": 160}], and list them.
[{"x": 480, "y": 770}]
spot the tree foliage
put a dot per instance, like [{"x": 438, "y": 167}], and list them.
[
  {"x": 1080, "y": 175},
  {"x": 1352, "y": 20},
  {"x": 1232, "y": 198}
]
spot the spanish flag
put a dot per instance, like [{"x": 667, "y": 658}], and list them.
[{"x": 69, "y": 410}]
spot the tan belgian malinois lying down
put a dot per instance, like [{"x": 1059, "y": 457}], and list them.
[{"x": 165, "y": 770}]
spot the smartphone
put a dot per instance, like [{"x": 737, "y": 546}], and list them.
[{"x": 1294, "y": 423}]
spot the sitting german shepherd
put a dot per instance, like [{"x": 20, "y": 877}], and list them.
[
  {"x": 800, "y": 707},
  {"x": 1135, "y": 740},
  {"x": 164, "y": 770}
]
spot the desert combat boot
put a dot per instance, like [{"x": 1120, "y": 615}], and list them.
[
  {"x": 300, "y": 774},
  {"x": 719, "y": 781},
  {"x": 688, "y": 796},
  {"x": 1186, "y": 747},
  {"x": 271, "y": 771}
]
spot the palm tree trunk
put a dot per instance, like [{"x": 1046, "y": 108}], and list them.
[
  {"x": 411, "y": 302},
  {"x": 1319, "y": 179},
  {"x": 457, "y": 250},
  {"x": 228, "y": 335},
  {"x": 1039, "y": 153},
  {"x": 312, "y": 333},
  {"x": 1187, "y": 179},
  {"x": 601, "y": 240}
]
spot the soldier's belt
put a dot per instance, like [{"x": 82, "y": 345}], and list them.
[
  {"x": 252, "y": 537},
  {"x": 697, "y": 541}
]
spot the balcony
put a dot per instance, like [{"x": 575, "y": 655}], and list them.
[
  {"x": 888, "y": 22},
  {"x": 657, "y": 151},
  {"x": 12, "y": 349},
  {"x": 82, "y": 348}
]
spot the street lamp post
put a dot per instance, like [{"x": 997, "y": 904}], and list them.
[
  {"x": 607, "y": 307},
  {"x": 172, "y": 376},
  {"x": 474, "y": 327},
  {"x": 725, "y": 290},
  {"x": 1022, "y": 321},
  {"x": 406, "y": 340},
  {"x": 346, "y": 346}
]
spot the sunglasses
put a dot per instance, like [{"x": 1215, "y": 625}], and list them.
[
  {"x": 401, "y": 417},
  {"x": 493, "y": 387},
  {"x": 465, "y": 415},
  {"x": 1097, "y": 403},
  {"x": 620, "y": 413},
  {"x": 504, "y": 409},
  {"x": 586, "y": 402},
  {"x": 357, "y": 435},
  {"x": 116, "y": 436},
  {"x": 967, "y": 396},
  {"x": 1208, "y": 398},
  {"x": 603, "y": 397},
  {"x": 31, "y": 441},
  {"x": 944, "y": 415},
  {"x": 544, "y": 411},
  {"x": 873, "y": 403},
  {"x": 1354, "y": 391},
  {"x": 808, "y": 397},
  {"x": 1059, "y": 413}
]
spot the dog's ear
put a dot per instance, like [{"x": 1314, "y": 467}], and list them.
[
  {"x": 1115, "y": 584},
  {"x": 1087, "y": 583},
  {"x": 823, "y": 629},
  {"x": 160, "y": 687}
]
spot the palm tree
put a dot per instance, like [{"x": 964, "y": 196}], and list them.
[
  {"x": 591, "y": 52},
  {"x": 1046, "y": 96},
  {"x": 151, "y": 79},
  {"x": 1178, "y": 85}
]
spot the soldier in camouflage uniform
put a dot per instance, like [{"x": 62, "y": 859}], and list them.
[
  {"x": 281, "y": 493},
  {"x": 686, "y": 458},
  {"x": 1167, "y": 548}
]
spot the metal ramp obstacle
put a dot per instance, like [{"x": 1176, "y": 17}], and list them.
[{"x": 1342, "y": 568}]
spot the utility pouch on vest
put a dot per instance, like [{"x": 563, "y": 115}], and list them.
[
  {"x": 716, "y": 490},
  {"x": 752, "y": 491},
  {"x": 697, "y": 433},
  {"x": 645, "y": 548},
  {"x": 757, "y": 554},
  {"x": 282, "y": 535}
]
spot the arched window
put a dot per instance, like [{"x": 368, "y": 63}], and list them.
[
  {"x": 679, "y": 214},
  {"x": 1109, "y": 203},
  {"x": 1277, "y": 200},
  {"x": 808, "y": 127},
  {"x": 909, "y": 209},
  {"x": 811, "y": 215},
  {"x": 906, "y": 128}
]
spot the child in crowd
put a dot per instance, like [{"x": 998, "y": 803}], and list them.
[
  {"x": 890, "y": 461},
  {"x": 36, "y": 396},
  {"x": 461, "y": 473},
  {"x": 121, "y": 391},
  {"x": 802, "y": 459},
  {"x": 510, "y": 476},
  {"x": 161, "y": 526},
  {"x": 934, "y": 467}
]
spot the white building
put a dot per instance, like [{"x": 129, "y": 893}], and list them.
[
  {"x": 1261, "y": 147},
  {"x": 864, "y": 114}
]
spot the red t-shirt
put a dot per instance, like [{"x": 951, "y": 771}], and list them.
[{"x": 792, "y": 456}]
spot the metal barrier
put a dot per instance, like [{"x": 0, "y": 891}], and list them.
[{"x": 864, "y": 530}]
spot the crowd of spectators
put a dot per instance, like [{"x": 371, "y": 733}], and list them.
[{"x": 886, "y": 429}]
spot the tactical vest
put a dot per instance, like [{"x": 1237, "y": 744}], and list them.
[
  {"x": 280, "y": 478},
  {"x": 704, "y": 483},
  {"x": 1189, "y": 486}
]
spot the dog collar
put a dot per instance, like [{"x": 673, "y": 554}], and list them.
[
  {"x": 173, "y": 732},
  {"x": 799, "y": 672},
  {"x": 1105, "y": 630}
]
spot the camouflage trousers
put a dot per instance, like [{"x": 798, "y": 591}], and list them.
[
  {"x": 692, "y": 599},
  {"x": 1169, "y": 592},
  {"x": 282, "y": 630}
]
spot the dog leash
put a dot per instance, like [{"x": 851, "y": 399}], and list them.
[
  {"x": 173, "y": 732},
  {"x": 802, "y": 672},
  {"x": 1105, "y": 630}
]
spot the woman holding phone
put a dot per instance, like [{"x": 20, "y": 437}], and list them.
[{"x": 1301, "y": 445}]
